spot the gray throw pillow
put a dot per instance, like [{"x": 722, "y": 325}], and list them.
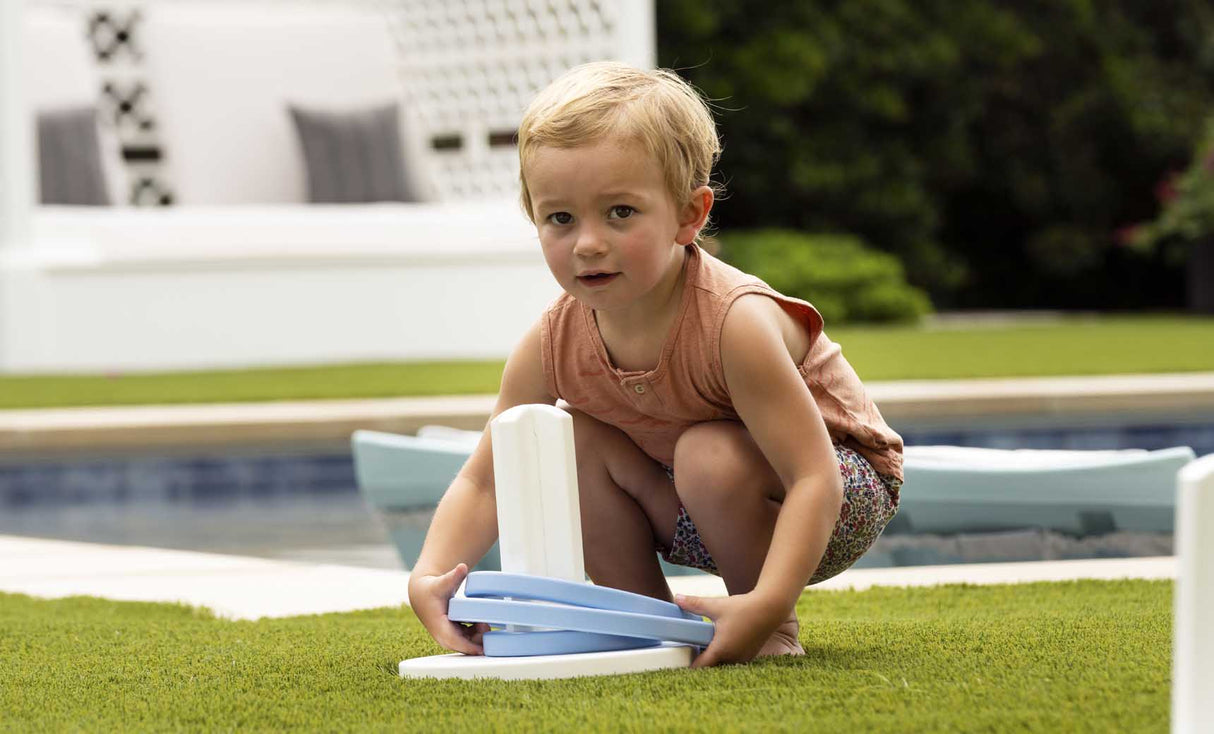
[
  {"x": 352, "y": 156},
  {"x": 69, "y": 158}
]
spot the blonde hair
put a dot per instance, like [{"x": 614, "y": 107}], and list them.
[{"x": 608, "y": 99}]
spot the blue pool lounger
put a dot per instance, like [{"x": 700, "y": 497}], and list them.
[
  {"x": 948, "y": 489},
  {"x": 952, "y": 489}
]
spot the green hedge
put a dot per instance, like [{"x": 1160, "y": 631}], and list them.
[{"x": 844, "y": 279}]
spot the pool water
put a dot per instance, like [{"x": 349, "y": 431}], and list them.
[{"x": 274, "y": 505}]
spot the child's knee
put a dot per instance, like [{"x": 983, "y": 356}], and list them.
[{"x": 715, "y": 461}]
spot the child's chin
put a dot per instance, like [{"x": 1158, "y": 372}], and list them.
[{"x": 596, "y": 300}]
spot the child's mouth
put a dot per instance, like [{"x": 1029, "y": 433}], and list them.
[{"x": 597, "y": 280}]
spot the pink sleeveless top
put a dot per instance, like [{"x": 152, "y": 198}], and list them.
[{"x": 688, "y": 385}]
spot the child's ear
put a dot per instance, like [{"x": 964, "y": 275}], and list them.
[{"x": 693, "y": 215}]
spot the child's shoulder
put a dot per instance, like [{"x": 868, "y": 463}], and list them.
[
  {"x": 726, "y": 286},
  {"x": 737, "y": 305},
  {"x": 722, "y": 281}
]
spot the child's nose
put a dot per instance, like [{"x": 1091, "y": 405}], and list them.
[{"x": 590, "y": 242}]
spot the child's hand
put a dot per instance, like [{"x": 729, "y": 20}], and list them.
[
  {"x": 429, "y": 596},
  {"x": 743, "y": 623}
]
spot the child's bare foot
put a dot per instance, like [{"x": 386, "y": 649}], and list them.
[{"x": 784, "y": 640}]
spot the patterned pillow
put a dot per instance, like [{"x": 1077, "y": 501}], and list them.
[
  {"x": 69, "y": 158},
  {"x": 353, "y": 156}
]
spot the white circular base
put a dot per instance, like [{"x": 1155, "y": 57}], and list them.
[{"x": 456, "y": 665}]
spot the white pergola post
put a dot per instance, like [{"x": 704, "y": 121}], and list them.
[
  {"x": 638, "y": 44},
  {"x": 17, "y": 170},
  {"x": 16, "y": 131},
  {"x": 1193, "y": 646}
]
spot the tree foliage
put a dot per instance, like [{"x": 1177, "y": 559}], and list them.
[
  {"x": 1187, "y": 216},
  {"x": 995, "y": 147}
]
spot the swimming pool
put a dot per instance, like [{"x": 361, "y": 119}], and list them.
[
  {"x": 272, "y": 503},
  {"x": 303, "y": 504}
]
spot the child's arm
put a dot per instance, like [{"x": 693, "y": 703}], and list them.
[
  {"x": 464, "y": 527},
  {"x": 777, "y": 408}
]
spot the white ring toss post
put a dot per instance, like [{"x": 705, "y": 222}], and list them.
[
  {"x": 539, "y": 521},
  {"x": 1193, "y": 646}
]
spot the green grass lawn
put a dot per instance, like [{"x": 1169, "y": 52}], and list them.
[
  {"x": 1070, "y": 347},
  {"x": 1075, "y": 656}
]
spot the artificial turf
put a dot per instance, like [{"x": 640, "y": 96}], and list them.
[
  {"x": 1072, "y": 346},
  {"x": 1071, "y": 656}
]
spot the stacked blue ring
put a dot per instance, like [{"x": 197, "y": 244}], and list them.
[
  {"x": 597, "y": 618},
  {"x": 500, "y": 644}
]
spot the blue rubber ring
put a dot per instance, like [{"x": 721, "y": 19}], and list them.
[
  {"x": 521, "y": 586},
  {"x": 558, "y": 642},
  {"x": 580, "y": 619}
]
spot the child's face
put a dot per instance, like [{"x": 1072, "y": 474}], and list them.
[{"x": 607, "y": 223}]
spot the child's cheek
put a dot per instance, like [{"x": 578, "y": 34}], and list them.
[{"x": 558, "y": 262}]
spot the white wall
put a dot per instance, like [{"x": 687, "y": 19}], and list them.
[{"x": 231, "y": 317}]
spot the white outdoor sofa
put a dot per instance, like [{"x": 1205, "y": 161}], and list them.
[{"x": 242, "y": 271}]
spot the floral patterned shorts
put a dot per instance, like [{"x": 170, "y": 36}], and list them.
[{"x": 870, "y": 501}]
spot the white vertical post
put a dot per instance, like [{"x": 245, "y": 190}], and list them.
[
  {"x": 636, "y": 33},
  {"x": 16, "y": 130},
  {"x": 17, "y": 170},
  {"x": 1193, "y": 646},
  {"x": 539, "y": 519}
]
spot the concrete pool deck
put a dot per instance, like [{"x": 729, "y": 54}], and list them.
[
  {"x": 238, "y": 587},
  {"x": 1091, "y": 399}
]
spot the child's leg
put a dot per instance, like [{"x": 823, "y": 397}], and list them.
[
  {"x": 733, "y": 497},
  {"x": 628, "y": 507},
  {"x": 732, "y": 494}
]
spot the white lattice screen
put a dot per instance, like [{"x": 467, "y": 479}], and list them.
[{"x": 467, "y": 70}]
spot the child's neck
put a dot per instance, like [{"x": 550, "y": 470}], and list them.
[{"x": 634, "y": 337}]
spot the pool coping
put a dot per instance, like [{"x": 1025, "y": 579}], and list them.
[
  {"x": 25, "y": 433},
  {"x": 240, "y": 587}
]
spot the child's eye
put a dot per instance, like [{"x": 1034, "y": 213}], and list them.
[
  {"x": 623, "y": 211},
  {"x": 560, "y": 218}
]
